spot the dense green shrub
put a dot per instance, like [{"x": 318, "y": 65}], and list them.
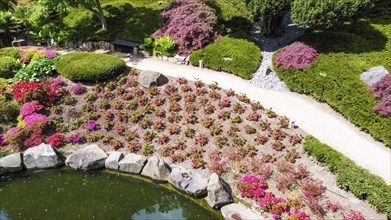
[
  {"x": 9, "y": 66},
  {"x": 9, "y": 52},
  {"x": 9, "y": 109},
  {"x": 37, "y": 70},
  {"x": 351, "y": 177},
  {"x": 238, "y": 56},
  {"x": 92, "y": 67},
  {"x": 164, "y": 46}
]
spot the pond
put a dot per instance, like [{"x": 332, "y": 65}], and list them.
[{"x": 68, "y": 194}]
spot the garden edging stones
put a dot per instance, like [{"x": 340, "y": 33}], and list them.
[
  {"x": 111, "y": 162},
  {"x": 11, "y": 163},
  {"x": 156, "y": 169},
  {"x": 41, "y": 157},
  {"x": 87, "y": 158},
  {"x": 219, "y": 192},
  {"x": 188, "y": 181},
  {"x": 132, "y": 163}
]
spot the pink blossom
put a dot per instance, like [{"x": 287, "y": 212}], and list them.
[
  {"x": 35, "y": 118},
  {"x": 30, "y": 108}
]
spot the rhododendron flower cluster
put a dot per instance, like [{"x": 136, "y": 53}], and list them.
[
  {"x": 275, "y": 206},
  {"x": 298, "y": 215},
  {"x": 35, "y": 118},
  {"x": 44, "y": 92},
  {"x": 78, "y": 89},
  {"x": 382, "y": 90},
  {"x": 56, "y": 140},
  {"x": 29, "y": 108},
  {"x": 92, "y": 125},
  {"x": 297, "y": 55},
  {"x": 252, "y": 187}
]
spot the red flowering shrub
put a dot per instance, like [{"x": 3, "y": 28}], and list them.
[
  {"x": 190, "y": 23},
  {"x": 45, "y": 93},
  {"x": 382, "y": 90},
  {"x": 312, "y": 188},
  {"x": 56, "y": 140},
  {"x": 252, "y": 187},
  {"x": 273, "y": 205},
  {"x": 297, "y": 55}
]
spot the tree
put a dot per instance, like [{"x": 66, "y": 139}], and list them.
[
  {"x": 326, "y": 13},
  {"x": 91, "y": 5},
  {"x": 6, "y": 5},
  {"x": 191, "y": 24},
  {"x": 271, "y": 12}
]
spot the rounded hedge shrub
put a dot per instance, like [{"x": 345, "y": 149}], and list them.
[
  {"x": 8, "y": 67},
  {"x": 90, "y": 67},
  {"x": 238, "y": 56},
  {"x": 9, "y": 52}
]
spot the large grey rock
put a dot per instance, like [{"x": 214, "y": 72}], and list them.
[
  {"x": 156, "y": 169},
  {"x": 149, "y": 78},
  {"x": 239, "y": 211},
  {"x": 11, "y": 163},
  {"x": 186, "y": 180},
  {"x": 111, "y": 162},
  {"x": 373, "y": 75},
  {"x": 87, "y": 158},
  {"x": 41, "y": 157},
  {"x": 219, "y": 192},
  {"x": 132, "y": 163}
]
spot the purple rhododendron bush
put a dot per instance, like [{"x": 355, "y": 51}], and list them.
[
  {"x": 297, "y": 55},
  {"x": 190, "y": 124},
  {"x": 190, "y": 23}
]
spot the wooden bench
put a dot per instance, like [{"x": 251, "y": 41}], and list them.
[{"x": 124, "y": 46}]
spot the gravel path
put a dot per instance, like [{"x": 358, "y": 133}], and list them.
[
  {"x": 317, "y": 119},
  {"x": 265, "y": 78}
]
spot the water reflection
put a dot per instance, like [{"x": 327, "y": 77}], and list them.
[
  {"x": 3, "y": 215},
  {"x": 154, "y": 212}
]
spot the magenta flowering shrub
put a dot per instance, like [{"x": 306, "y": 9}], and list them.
[
  {"x": 74, "y": 138},
  {"x": 92, "y": 125},
  {"x": 312, "y": 188},
  {"x": 297, "y": 55},
  {"x": 382, "y": 90},
  {"x": 298, "y": 215},
  {"x": 353, "y": 215},
  {"x": 275, "y": 206},
  {"x": 49, "y": 54},
  {"x": 30, "y": 108},
  {"x": 56, "y": 140},
  {"x": 252, "y": 187},
  {"x": 78, "y": 89},
  {"x": 190, "y": 23},
  {"x": 35, "y": 118},
  {"x": 2, "y": 139}
]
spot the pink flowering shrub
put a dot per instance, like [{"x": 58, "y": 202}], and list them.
[
  {"x": 312, "y": 188},
  {"x": 297, "y": 55},
  {"x": 29, "y": 108},
  {"x": 382, "y": 90},
  {"x": 2, "y": 139},
  {"x": 353, "y": 215},
  {"x": 298, "y": 215},
  {"x": 92, "y": 125},
  {"x": 275, "y": 206},
  {"x": 78, "y": 89},
  {"x": 35, "y": 118},
  {"x": 190, "y": 23},
  {"x": 252, "y": 187},
  {"x": 56, "y": 140},
  {"x": 74, "y": 138}
]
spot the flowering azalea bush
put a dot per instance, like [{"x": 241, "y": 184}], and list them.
[
  {"x": 2, "y": 139},
  {"x": 353, "y": 215},
  {"x": 78, "y": 89},
  {"x": 35, "y": 118},
  {"x": 298, "y": 215},
  {"x": 56, "y": 139},
  {"x": 30, "y": 108},
  {"x": 44, "y": 92},
  {"x": 275, "y": 206},
  {"x": 252, "y": 187},
  {"x": 74, "y": 138},
  {"x": 297, "y": 55}
]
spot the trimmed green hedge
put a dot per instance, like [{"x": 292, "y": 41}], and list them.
[
  {"x": 238, "y": 56},
  {"x": 8, "y": 67},
  {"x": 351, "y": 177},
  {"x": 90, "y": 67},
  {"x": 9, "y": 52}
]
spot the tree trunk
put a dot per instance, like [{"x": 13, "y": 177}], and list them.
[
  {"x": 271, "y": 25},
  {"x": 101, "y": 15}
]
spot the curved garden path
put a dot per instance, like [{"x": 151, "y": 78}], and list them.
[{"x": 317, "y": 119}]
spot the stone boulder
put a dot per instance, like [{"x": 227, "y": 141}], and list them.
[
  {"x": 219, "y": 192},
  {"x": 41, "y": 157},
  {"x": 150, "y": 78},
  {"x": 132, "y": 163},
  {"x": 88, "y": 158},
  {"x": 373, "y": 75},
  {"x": 111, "y": 162},
  {"x": 239, "y": 211},
  {"x": 11, "y": 163},
  {"x": 156, "y": 169},
  {"x": 186, "y": 180}
]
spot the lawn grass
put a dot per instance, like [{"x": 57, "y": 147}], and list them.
[{"x": 345, "y": 54}]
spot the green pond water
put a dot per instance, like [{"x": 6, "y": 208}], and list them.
[{"x": 67, "y": 194}]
